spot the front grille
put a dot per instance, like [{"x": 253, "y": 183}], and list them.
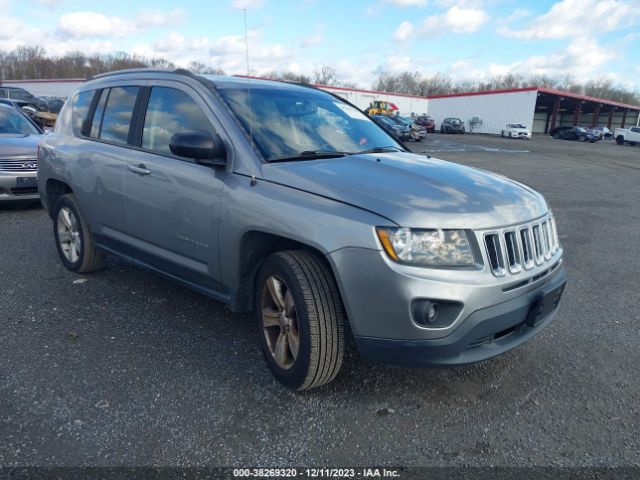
[
  {"x": 514, "y": 249},
  {"x": 19, "y": 164}
]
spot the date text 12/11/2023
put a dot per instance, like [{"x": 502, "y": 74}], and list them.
[{"x": 315, "y": 472}]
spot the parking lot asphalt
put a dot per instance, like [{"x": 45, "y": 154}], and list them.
[{"x": 122, "y": 367}]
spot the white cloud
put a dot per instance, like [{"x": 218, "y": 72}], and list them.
[
  {"x": 571, "y": 18},
  {"x": 160, "y": 18},
  {"x": 242, "y": 4},
  {"x": 92, "y": 24},
  {"x": 404, "y": 31},
  {"x": 456, "y": 20},
  {"x": 571, "y": 61},
  {"x": 408, "y": 3}
]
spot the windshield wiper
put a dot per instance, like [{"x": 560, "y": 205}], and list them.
[
  {"x": 308, "y": 155},
  {"x": 381, "y": 150}
]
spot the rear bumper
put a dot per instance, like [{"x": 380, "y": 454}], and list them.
[{"x": 485, "y": 333}]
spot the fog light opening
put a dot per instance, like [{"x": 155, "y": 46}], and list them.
[
  {"x": 427, "y": 312},
  {"x": 432, "y": 312}
]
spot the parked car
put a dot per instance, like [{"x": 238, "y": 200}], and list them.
[
  {"x": 580, "y": 134},
  {"x": 287, "y": 201},
  {"x": 427, "y": 122},
  {"x": 398, "y": 130},
  {"x": 516, "y": 130},
  {"x": 19, "y": 138},
  {"x": 602, "y": 132},
  {"x": 36, "y": 108},
  {"x": 23, "y": 96},
  {"x": 627, "y": 135},
  {"x": 416, "y": 132},
  {"x": 452, "y": 125}
]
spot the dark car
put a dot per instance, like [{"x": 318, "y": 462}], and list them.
[
  {"x": 427, "y": 122},
  {"x": 416, "y": 132},
  {"x": 24, "y": 97},
  {"x": 400, "y": 132},
  {"x": 452, "y": 125},
  {"x": 574, "y": 133}
]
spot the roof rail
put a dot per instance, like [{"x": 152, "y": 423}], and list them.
[{"x": 178, "y": 71}]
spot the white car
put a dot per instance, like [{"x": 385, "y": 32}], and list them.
[
  {"x": 627, "y": 135},
  {"x": 516, "y": 130}
]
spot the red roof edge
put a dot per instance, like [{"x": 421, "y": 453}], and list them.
[
  {"x": 485, "y": 92},
  {"x": 551, "y": 91}
]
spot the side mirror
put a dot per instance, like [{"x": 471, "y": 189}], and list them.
[{"x": 199, "y": 145}]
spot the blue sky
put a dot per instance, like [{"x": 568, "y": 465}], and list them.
[{"x": 474, "y": 39}]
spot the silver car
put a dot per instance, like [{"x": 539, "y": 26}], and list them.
[
  {"x": 289, "y": 202},
  {"x": 19, "y": 138}
]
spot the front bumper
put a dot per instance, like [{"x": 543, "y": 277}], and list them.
[
  {"x": 484, "y": 334},
  {"x": 494, "y": 317},
  {"x": 11, "y": 193}
]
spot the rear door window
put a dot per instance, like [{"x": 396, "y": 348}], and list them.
[
  {"x": 169, "y": 111},
  {"x": 118, "y": 111}
]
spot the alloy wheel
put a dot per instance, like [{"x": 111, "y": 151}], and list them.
[
  {"x": 280, "y": 322},
  {"x": 69, "y": 234}
]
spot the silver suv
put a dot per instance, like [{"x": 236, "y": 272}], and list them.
[{"x": 289, "y": 202}]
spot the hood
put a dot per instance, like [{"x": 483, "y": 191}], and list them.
[
  {"x": 414, "y": 191},
  {"x": 19, "y": 145}
]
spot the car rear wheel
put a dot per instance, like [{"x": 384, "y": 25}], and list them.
[
  {"x": 619, "y": 139},
  {"x": 582, "y": 138},
  {"x": 74, "y": 240},
  {"x": 556, "y": 136},
  {"x": 301, "y": 319}
]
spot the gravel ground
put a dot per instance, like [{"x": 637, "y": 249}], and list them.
[{"x": 124, "y": 368}]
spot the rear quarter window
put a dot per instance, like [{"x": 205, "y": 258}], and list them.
[{"x": 81, "y": 104}]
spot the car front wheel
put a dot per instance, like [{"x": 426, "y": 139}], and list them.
[
  {"x": 301, "y": 319},
  {"x": 74, "y": 240}
]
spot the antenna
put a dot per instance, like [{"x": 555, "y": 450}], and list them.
[
  {"x": 246, "y": 40},
  {"x": 246, "y": 49}
]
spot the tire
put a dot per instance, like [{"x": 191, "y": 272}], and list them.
[
  {"x": 502, "y": 133},
  {"x": 556, "y": 136},
  {"x": 620, "y": 140},
  {"x": 510, "y": 135},
  {"x": 74, "y": 240},
  {"x": 307, "y": 302},
  {"x": 582, "y": 138},
  {"x": 633, "y": 144}
]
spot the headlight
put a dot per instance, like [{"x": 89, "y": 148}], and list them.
[{"x": 426, "y": 247}]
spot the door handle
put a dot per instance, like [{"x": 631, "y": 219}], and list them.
[{"x": 139, "y": 169}]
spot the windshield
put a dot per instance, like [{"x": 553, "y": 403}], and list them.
[
  {"x": 580, "y": 129},
  {"x": 13, "y": 123},
  {"x": 286, "y": 121},
  {"x": 454, "y": 121},
  {"x": 517, "y": 125}
]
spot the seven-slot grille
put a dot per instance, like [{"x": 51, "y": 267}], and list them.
[
  {"x": 521, "y": 248},
  {"x": 19, "y": 164}
]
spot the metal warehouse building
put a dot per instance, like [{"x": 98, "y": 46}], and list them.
[{"x": 540, "y": 109}]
